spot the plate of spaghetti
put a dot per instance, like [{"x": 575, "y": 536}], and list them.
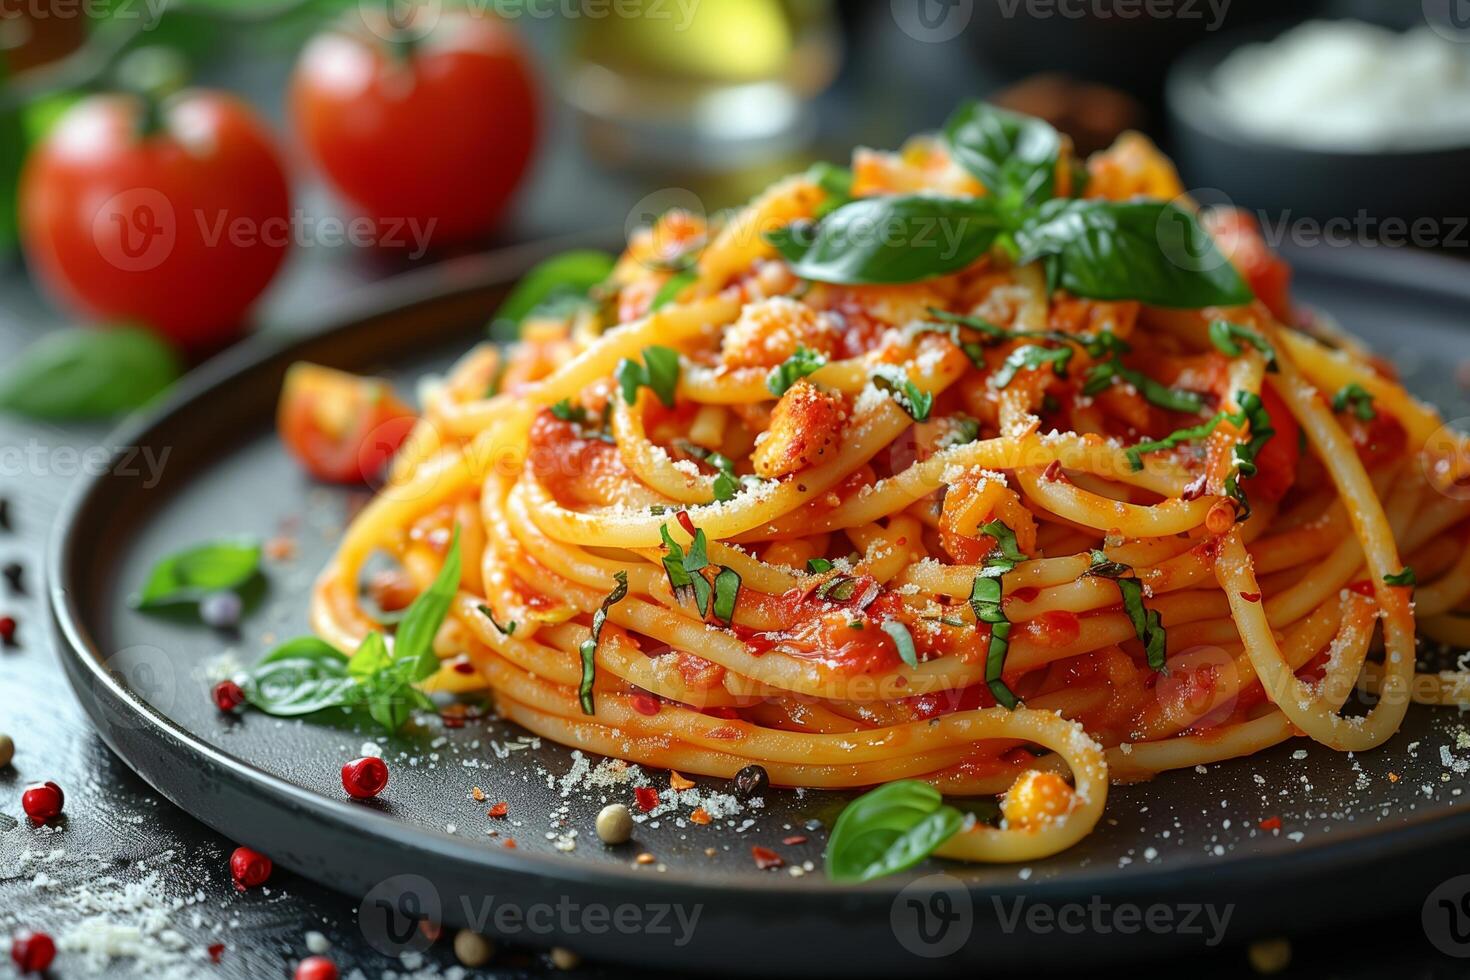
[{"x": 973, "y": 511}]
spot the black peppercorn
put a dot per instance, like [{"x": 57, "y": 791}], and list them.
[
  {"x": 14, "y": 577},
  {"x": 5, "y": 524},
  {"x": 752, "y": 781}
]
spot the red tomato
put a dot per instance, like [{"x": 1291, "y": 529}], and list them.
[
  {"x": 179, "y": 229},
  {"x": 1267, "y": 274},
  {"x": 430, "y": 141},
  {"x": 342, "y": 428},
  {"x": 1276, "y": 462}
]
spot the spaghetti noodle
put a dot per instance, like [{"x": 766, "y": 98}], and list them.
[{"x": 972, "y": 527}]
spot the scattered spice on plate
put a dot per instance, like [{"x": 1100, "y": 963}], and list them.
[
  {"x": 316, "y": 968},
  {"x": 14, "y": 574},
  {"x": 766, "y": 859},
  {"x": 365, "y": 778},
  {"x": 477, "y": 794},
  {"x": 700, "y": 816},
  {"x": 7, "y": 630},
  {"x": 647, "y": 798},
  {"x": 645, "y": 858},
  {"x": 752, "y": 781},
  {"x": 249, "y": 868},
  {"x": 228, "y": 696},
  {"x": 1271, "y": 823},
  {"x": 680, "y": 782},
  {"x": 499, "y": 810},
  {"x": 280, "y": 548},
  {"x": 7, "y": 750},
  {"x": 472, "y": 949},
  {"x": 614, "y": 824},
  {"x": 32, "y": 951},
  {"x": 794, "y": 839}
]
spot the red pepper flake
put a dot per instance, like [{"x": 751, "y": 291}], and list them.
[
  {"x": 645, "y": 704},
  {"x": 499, "y": 810},
  {"x": 280, "y": 548},
  {"x": 1053, "y": 470},
  {"x": 685, "y": 522},
  {"x": 794, "y": 839},
  {"x": 680, "y": 782},
  {"x": 646, "y": 798},
  {"x": 509, "y": 843},
  {"x": 7, "y": 630},
  {"x": 1251, "y": 596},
  {"x": 766, "y": 859},
  {"x": 1271, "y": 823},
  {"x": 477, "y": 794},
  {"x": 1362, "y": 587},
  {"x": 215, "y": 951},
  {"x": 700, "y": 816}
]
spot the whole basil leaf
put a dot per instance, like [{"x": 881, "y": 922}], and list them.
[
  {"x": 370, "y": 657},
  {"x": 414, "y": 641},
  {"x": 897, "y": 239},
  {"x": 188, "y": 576},
  {"x": 1014, "y": 156},
  {"x": 303, "y": 648},
  {"x": 1150, "y": 251},
  {"x": 292, "y": 686},
  {"x": 671, "y": 289},
  {"x": 892, "y": 828},
  {"x": 87, "y": 374},
  {"x": 560, "y": 282}
]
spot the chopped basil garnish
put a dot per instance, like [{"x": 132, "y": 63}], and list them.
[
  {"x": 1226, "y": 337},
  {"x": 895, "y": 239},
  {"x": 910, "y": 397},
  {"x": 1357, "y": 398},
  {"x": 1403, "y": 577},
  {"x": 838, "y": 588},
  {"x": 508, "y": 629},
  {"x": 818, "y": 565},
  {"x": 188, "y": 576},
  {"x": 888, "y": 830},
  {"x": 963, "y": 431},
  {"x": 727, "y": 593},
  {"x": 1148, "y": 626},
  {"x": 793, "y": 369},
  {"x": 985, "y": 602},
  {"x": 1031, "y": 358},
  {"x": 568, "y": 412},
  {"x": 306, "y": 675},
  {"x": 588, "y": 647},
  {"x": 1006, "y": 554},
  {"x": 1102, "y": 374},
  {"x": 1176, "y": 438},
  {"x": 903, "y": 640},
  {"x": 659, "y": 372},
  {"x": 672, "y": 288}
]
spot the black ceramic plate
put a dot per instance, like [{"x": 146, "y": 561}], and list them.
[{"x": 1177, "y": 863}]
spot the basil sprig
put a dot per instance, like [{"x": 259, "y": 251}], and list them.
[
  {"x": 888, "y": 830},
  {"x": 685, "y": 572},
  {"x": 187, "y": 576},
  {"x": 1148, "y": 626},
  {"x": 1014, "y": 156},
  {"x": 895, "y": 239},
  {"x": 307, "y": 675},
  {"x": 88, "y": 374}
]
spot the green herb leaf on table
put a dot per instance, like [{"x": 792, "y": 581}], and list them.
[
  {"x": 895, "y": 239},
  {"x": 556, "y": 286},
  {"x": 187, "y": 576},
  {"x": 1014, "y": 156},
  {"x": 89, "y": 374},
  {"x": 889, "y": 830}
]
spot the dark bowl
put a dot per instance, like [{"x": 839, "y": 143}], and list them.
[{"x": 1375, "y": 195}]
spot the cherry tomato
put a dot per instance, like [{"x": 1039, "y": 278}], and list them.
[
  {"x": 429, "y": 140},
  {"x": 180, "y": 228},
  {"x": 1267, "y": 274},
  {"x": 342, "y": 428}
]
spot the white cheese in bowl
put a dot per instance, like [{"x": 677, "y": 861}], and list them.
[{"x": 1350, "y": 86}]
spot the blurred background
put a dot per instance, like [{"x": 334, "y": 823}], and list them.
[{"x": 374, "y": 136}]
